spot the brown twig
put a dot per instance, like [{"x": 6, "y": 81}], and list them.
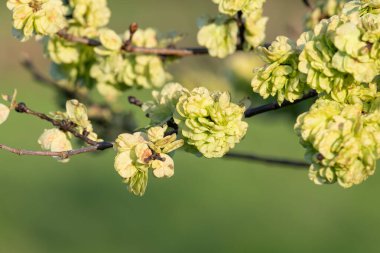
[
  {"x": 275, "y": 106},
  {"x": 37, "y": 75},
  {"x": 81, "y": 40},
  {"x": 103, "y": 114},
  {"x": 127, "y": 46},
  {"x": 177, "y": 52},
  {"x": 41, "y": 78},
  {"x": 106, "y": 145},
  {"x": 65, "y": 126},
  {"x": 135, "y": 101},
  {"x": 63, "y": 155}
]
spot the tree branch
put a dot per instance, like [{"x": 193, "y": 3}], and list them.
[
  {"x": 241, "y": 26},
  {"x": 135, "y": 101},
  {"x": 63, "y": 155},
  {"x": 268, "y": 160},
  {"x": 100, "y": 113},
  {"x": 63, "y": 125},
  {"x": 178, "y": 52},
  {"x": 99, "y": 146},
  {"x": 275, "y": 106},
  {"x": 39, "y": 77},
  {"x": 80, "y": 40},
  {"x": 107, "y": 145},
  {"x": 308, "y": 4}
]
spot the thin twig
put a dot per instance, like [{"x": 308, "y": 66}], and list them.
[
  {"x": 80, "y": 40},
  {"x": 106, "y": 145},
  {"x": 308, "y": 4},
  {"x": 100, "y": 113},
  {"x": 268, "y": 160},
  {"x": 180, "y": 52},
  {"x": 41, "y": 78},
  {"x": 135, "y": 101},
  {"x": 65, "y": 126},
  {"x": 177, "y": 52},
  {"x": 63, "y": 155},
  {"x": 275, "y": 106},
  {"x": 127, "y": 46},
  {"x": 241, "y": 25}
]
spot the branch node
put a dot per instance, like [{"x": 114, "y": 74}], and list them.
[
  {"x": 135, "y": 101},
  {"x": 21, "y": 108},
  {"x": 104, "y": 145},
  {"x": 127, "y": 46},
  {"x": 133, "y": 28}
]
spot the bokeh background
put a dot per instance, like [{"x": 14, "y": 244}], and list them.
[{"x": 208, "y": 206}]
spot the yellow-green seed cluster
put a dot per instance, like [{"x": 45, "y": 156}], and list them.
[
  {"x": 342, "y": 141},
  {"x": 338, "y": 58},
  {"x": 220, "y": 35},
  {"x": 140, "y": 152},
  {"x": 123, "y": 70},
  {"x": 210, "y": 122},
  {"x": 280, "y": 76},
  {"x": 56, "y": 140},
  {"x": 324, "y": 9},
  {"x": 342, "y": 51},
  {"x": 37, "y": 17}
]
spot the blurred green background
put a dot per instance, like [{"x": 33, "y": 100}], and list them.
[{"x": 208, "y": 206}]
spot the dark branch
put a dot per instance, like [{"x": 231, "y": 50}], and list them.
[
  {"x": 65, "y": 126},
  {"x": 268, "y": 160},
  {"x": 179, "y": 52},
  {"x": 135, "y": 101},
  {"x": 80, "y": 40},
  {"x": 241, "y": 25},
  {"x": 275, "y": 106},
  {"x": 39, "y": 77},
  {"x": 102, "y": 114},
  {"x": 308, "y": 4}
]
